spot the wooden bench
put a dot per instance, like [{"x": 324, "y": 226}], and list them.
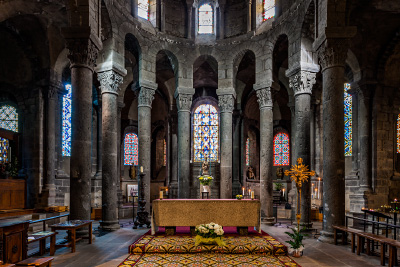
[
  {"x": 41, "y": 237},
  {"x": 6, "y": 264},
  {"x": 38, "y": 262},
  {"x": 344, "y": 230},
  {"x": 383, "y": 241},
  {"x": 393, "y": 246}
]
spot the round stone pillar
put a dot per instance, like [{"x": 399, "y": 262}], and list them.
[
  {"x": 146, "y": 96},
  {"x": 109, "y": 85},
  {"x": 226, "y": 103},
  {"x": 173, "y": 156},
  {"x": 332, "y": 54},
  {"x": 301, "y": 84},
  {"x": 184, "y": 103},
  {"x": 266, "y": 152}
]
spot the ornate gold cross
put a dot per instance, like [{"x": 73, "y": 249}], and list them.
[{"x": 300, "y": 174}]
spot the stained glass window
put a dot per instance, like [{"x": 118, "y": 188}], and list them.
[
  {"x": 348, "y": 116},
  {"x": 206, "y": 133},
  {"x": 398, "y": 134},
  {"x": 269, "y": 9},
  {"x": 9, "y": 118},
  {"x": 248, "y": 152},
  {"x": 4, "y": 146},
  {"x": 206, "y": 19},
  {"x": 165, "y": 153},
  {"x": 131, "y": 149},
  {"x": 281, "y": 149},
  {"x": 144, "y": 9},
  {"x": 66, "y": 121}
]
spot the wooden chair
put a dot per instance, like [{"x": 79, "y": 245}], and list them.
[{"x": 38, "y": 262}]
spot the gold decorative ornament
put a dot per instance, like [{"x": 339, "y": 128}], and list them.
[{"x": 300, "y": 174}]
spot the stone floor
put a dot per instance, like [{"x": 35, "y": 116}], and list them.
[{"x": 111, "y": 249}]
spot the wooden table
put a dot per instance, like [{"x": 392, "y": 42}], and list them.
[
  {"x": 191, "y": 212},
  {"x": 41, "y": 237},
  {"x": 72, "y": 226}
]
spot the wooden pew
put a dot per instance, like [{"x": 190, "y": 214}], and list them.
[{"x": 344, "y": 230}]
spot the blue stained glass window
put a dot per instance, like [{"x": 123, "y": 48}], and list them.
[
  {"x": 348, "y": 117},
  {"x": 206, "y": 19},
  {"x": 9, "y": 118},
  {"x": 205, "y": 133},
  {"x": 4, "y": 146},
  {"x": 268, "y": 9},
  {"x": 144, "y": 9},
  {"x": 66, "y": 121},
  {"x": 281, "y": 149},
  {"x": 131, "y": 149}
]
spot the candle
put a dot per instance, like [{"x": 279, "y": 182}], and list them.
[
  {"x": 252, "y": 194},
  {"x": 312, "y": 191},
  {"x": 319, "y": 186},
  {"x": 166, "y": 191},
  {"x": 249, "y": 192},
  {"x": 242, "y": 191},
  {"x": 283, "y": 191},
  {"x": 316, "y": 191},
  {"x": 141, "y": 169},
  {"x": 161, "y": 195}
]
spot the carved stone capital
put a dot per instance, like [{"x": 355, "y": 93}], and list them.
[
  {"x": 264, "y": 98},
  {"x": 333, "y": 53},
  {"x": 82, "y": 52},
  {"x": 110, "y": 81},
  {"x": 302, "y": 82},
  {"x": 226, "y": 103},
  {"x": 146, "y": 96},
  {"x": 55, "y": 87},
  {"x": 184, "y": 102}
]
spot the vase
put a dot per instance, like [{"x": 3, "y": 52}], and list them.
[
  {"x": 206, "y": 188},
  {"x": 297, "y": 253}
]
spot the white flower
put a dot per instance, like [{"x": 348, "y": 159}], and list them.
[
  {"x": 205, "y": 230},
  {"x": 301, "y": 248}
]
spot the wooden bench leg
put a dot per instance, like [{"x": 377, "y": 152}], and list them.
[
  {"x": 352, "y": 242},
  {"x": 73, "y": 240},
  {"x": 344, "y": 238},
  {"x": 52, "y": 245},
  {"x": 358, "y": 244},
  {"x": 368, "y": 247},
  {"x": 42, "y": 246},
  {"x": 382, "y": 254}
]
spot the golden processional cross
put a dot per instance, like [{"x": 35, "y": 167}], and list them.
[{"x": 300, "y": 174}]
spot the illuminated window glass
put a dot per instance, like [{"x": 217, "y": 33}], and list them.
[
  {"x": 248, "y": 152},
  {"x": 144, "y": 9},
  {"x": 398, "y": 134},
  {"x": 348, "y": 115},
  {"x": 4, "y": 146},
  {"x": 131, "y": 149},
  {"x": 206, "y": 133},
  {"x": 206, "y": 19},
  {"x": 9, "y": 118},
  {"x": 165, "y": 153},
  {"x": 269, "y": 9},
  {"x": 281, "y": 149},
  {"x": 66, "y": 121}
]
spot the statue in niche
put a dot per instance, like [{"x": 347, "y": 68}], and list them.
[
  {"x": 250, "y": 173},
  {"x": 205, "y": 167}
]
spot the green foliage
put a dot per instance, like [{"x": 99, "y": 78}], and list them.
[
  {"x": 278, "y": 186},
  {"x": 297, "y": 236}
]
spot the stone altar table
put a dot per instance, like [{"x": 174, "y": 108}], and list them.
[{"x": 191, "y": 212}]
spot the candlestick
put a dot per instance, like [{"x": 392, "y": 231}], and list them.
[
  {"x": 252, "y": 195},
  {"x": 141, "y": 169},
  {"x": 161, "y": 194}
]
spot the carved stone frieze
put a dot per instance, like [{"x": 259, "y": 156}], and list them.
[
  {"x": 226, "y": 103},
  {"x": 302, "y": 82},
  {"x": 82, "y": 52},
  {"x": 184, "y": 102},
  {"x": 110, "y": 82},
  {"x": 333, "y": 52},
  {"x": 264, "y": 98},
  {"x": 146, "y": 96}
]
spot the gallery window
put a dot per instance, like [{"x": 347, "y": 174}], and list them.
[
  {"x": 66, "y": 121},
  {"x": 281, "y": 149},
  {"x": 205, "y": 133},
  {"x": 348, "y": 117},
  {"x": 206, "y": 19},
  {"x": 268, "y": 9},
  {"x": 248, "y": 152},
  {"x": 9, "y": 118},
  {"x": 131, "y": 149},
  {"x": 144, "y": 9}
]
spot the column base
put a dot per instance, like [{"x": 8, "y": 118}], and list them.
[
  {"x": 48, "y": 196},
  {"x": 109, "y": 225},
  {"x": 268, "y": 221},
  {"x": 326, "y": 237}
]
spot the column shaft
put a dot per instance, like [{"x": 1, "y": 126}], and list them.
[
  {"x": 364, "y": 127},
  {"x": 174, "y": 157},
  {"x": 236, "y": 162}
]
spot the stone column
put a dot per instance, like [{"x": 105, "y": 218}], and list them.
[
  {"x": 146, "y": 96},
  {"x": 189, "y": 22},
  {"x": 184, "y": 103},
  {"x": 49, "y": 190},
  {"x": 236, "y": 162},
  {"x": 110, "y": 81},
  {"x": 173, "y": 186},
  {"x": 266, "y": 146},
  {"x": 99, "y": 167},
  {"x": 221, "y": 21},
  {"x": 121, "y": 105},
  {"x": 82, "y": 54},
  {"x": 249, "y": 15},
  {"x": 226, "y": 102},
  {"x": 332, "y": 54},
  {"x": 301, "y": 84},
  {"x": 162, "y": 19}
]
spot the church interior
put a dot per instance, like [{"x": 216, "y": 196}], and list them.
[{"x": 138, "y": 124}]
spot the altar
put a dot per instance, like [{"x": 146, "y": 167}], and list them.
[{"x": 191, "y": 212}]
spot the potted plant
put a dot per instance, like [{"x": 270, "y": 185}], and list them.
[
  {"x": 208, "y": 234},
  {"x": 296, "y": 242},
  {"x": 239, "y": 197},
  {"x": 205, "y": 181},
  {"x": 278, "y": 186}
]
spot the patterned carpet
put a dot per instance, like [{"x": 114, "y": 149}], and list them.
[{"x": 179, "y": 250}]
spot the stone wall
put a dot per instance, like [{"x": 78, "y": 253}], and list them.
[
  {"x": 235, "y": 18},
  {"x": 175, "y": 24}
]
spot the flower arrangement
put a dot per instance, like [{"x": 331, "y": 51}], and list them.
[
  {"x": 205, "y": 179},
  {"x": 239, "y": 197},
  {"x": 296, "y": 243},
  {"x": 210, "y": 233}
]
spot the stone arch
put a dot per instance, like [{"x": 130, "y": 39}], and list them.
[
  {"x": 200, "y": 65},
  {"x": 280, "y": 56},
  {"x": 161, "y": 80},
  {"x": 386, "y": 54},
  {"x": 307, "y": 55},
  {"x": 353, "y": 64},
  {"x": 133, "y": 60},
  {"x": 245, "y": 63}
]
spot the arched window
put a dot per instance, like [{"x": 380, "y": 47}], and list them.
[
  {"x": 206, "y": 19},
  {"x": 165, "y": 153},
  {"x": 9, "y": 118},
  {"x": 66, "y": 121},
  {"x": 281, "y": 149},
  {"x": 205, "y": 133},
  {"x": 268, "y": 9},
  {"x": 4, "y": 147},
  {"x": 131, "y": 149},
  {"x": 144, "y": 9},
  {"x": 398, "y": 134},
  {"x": 348, "y": 115},
  {"x": 248, "y": 152}
]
